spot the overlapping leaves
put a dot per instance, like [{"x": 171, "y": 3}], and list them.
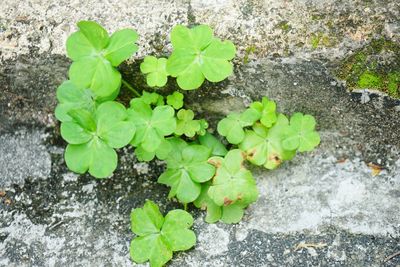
[
  {"x": 231, "y": 190},
  {"x": 95, "y": 55},
  {"x": 152, "y": 125},
  {"x": 71, "y": 97},
  {"x": 232, "y": 126},
  {"x": 158, "y": 237},
  {"x": 264, "y": 146},
  {"x": 197, "y": 56},
  {"x": 92, "y": 138},
  {"x": 187, "y": 168}
]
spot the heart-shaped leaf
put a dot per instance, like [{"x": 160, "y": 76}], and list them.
[
  {"x": 155, "y": 68},
  {"x": 175, "y": 100},
  {"x": 232, "y": 126},
  {"x": 185, "y": 123},
  {"x": 232, "y": 213},
  {"x": 264, "y": 147},
  {"x": 152, "y": 125},
  {"x": 95, "y": 57}
]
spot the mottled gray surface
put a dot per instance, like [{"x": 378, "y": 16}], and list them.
[
  {"x": 23, "y": 155},
  {"x": 305, "y": 28},
  {"x": 52, "y": 217}
]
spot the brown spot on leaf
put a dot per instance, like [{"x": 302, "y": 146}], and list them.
[
  {"x": 227, "y": 201},
  {"x": 275, "y": 158},
  {"x": 2, "y": 194},
  {"x": 216, "y": 162}
]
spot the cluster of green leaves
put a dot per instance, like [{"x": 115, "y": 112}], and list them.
[
  {"x": 197, "y": 55},
  {"x": 200, "y": 169},
  {"x": 158, "y": 236},
  {"x": 96, "y": 55},
  {"x": 267, "y": 137}
]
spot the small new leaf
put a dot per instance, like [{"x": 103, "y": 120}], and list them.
[
  {"x": 301, "y": 134},
  {"x": 92, "y": 137},
  {"x": 185, "y": 123},
  {"x": 175, "y": 100},
  {"x": 153, "y": 99},
  {"x": 158, "y": 237},
  {"x": 187, "y": 168},
  {"x": 155, "y": 68},
  {"x": 265, "y": 110},
  {"x": 197, "y": 55}
]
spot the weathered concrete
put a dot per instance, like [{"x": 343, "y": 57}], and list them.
[
  {"x": 322, "y": 28},
  {"x": 327, "y": 196},
  {"x": 52, "y": 217}
]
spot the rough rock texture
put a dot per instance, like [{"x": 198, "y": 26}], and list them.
[
  {"x": 323, "y": 28},
  {"x": 329, "y": 198}
]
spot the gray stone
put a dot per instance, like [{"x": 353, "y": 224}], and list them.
[{"x": 23, "y": 155}]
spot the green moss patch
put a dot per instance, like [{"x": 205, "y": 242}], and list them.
[{"x": 375, "y": 66}]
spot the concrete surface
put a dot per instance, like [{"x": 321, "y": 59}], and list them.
[{"x": 330, "y": 197}]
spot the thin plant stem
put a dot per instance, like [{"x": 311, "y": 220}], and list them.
[{"x": 127, "y": 85}]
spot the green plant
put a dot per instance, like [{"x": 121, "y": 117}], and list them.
[
  {"x": 200, "y": 168},
  {"x": 95, "y": 56},
  {"x": 186, "y": 170},
  {"x": 92, "y": 137},
  {"x": 155, "y": 68},
  {"x": 159, "y": 237},
  {"x": 197, "y": 55}
]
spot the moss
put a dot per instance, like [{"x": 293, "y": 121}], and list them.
[
  {"x": 284, "y": 26},
  {"x": 394, "y": 84},
  {"x": 375, "y": 66},
  {"x": 249, "y": 50},
  {"x": 315, "y": 39},
  {"x": 369, "y": 80}
]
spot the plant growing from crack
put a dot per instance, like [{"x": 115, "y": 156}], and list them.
[{"x": 200, "y": 168}]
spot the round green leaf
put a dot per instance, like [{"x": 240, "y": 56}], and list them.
[{"x": 175, "y": 230}]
